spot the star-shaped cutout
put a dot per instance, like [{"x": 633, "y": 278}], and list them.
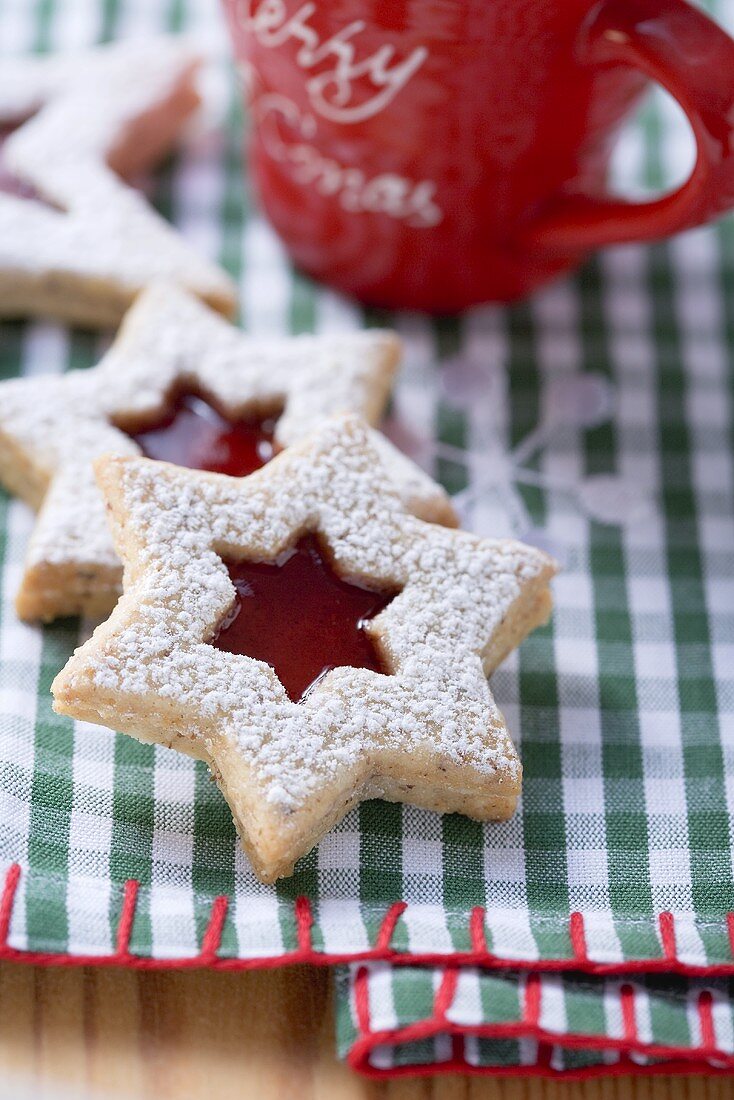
[
  {"x": 193, "y": 433},
  {"x": 426, "y": 730},
  {"x": 94, "y": 119},
  {"x": 53, "y": 427},
  {"x": 300, "y": 617}
]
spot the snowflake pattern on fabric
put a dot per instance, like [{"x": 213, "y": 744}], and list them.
[{"x": 496, "y": 474}]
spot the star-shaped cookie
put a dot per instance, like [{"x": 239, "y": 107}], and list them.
[
  {"x": 94, "y": 119},
  {"x": 420, "y": 726},
  {"x": 52, "y": 427}
]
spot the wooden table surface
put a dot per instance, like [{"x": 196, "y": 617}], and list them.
[{"x": 265, "y": 1035}]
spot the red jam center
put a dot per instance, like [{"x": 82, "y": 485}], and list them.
[
  {"x": 299, "y": 617},
  {"x": 9, "y": 183},
  {"x": 192, "y": 433}
]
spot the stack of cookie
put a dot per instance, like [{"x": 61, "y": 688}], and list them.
[{"x": 298, "y": 608}]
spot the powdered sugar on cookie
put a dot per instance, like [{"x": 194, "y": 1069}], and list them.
[
  {"x": 51, "y": 428},
  {"x": 428, "y": 732},
  {"x": 111, "y": 111}
]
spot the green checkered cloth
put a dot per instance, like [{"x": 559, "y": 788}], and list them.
[
  {"x": 595, "y": 419},
  {"x": 409, "y": 1018}
]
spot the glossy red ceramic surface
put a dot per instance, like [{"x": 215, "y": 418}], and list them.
[
  {"x": 300, "y": 617},
  {"x": 192, "y": 433},
  {"x": 438, "y": 154}
]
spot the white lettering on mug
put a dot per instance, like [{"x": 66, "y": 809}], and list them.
[
  {"x": 386, "y": 193},
  {"x": 333, "y": 93}
]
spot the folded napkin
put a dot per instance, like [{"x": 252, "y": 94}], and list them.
[
  {"x": 416, "y": 1019},
  {"x": 593, "y": 931}
]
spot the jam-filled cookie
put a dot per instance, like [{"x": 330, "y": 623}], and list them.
[
  {"x": 181, "y": 384},
  {"x": 309, "y": 639},
  {"x": 76, "y": 241}
]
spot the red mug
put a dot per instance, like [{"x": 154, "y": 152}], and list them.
[{"x": 438, "y": 153}]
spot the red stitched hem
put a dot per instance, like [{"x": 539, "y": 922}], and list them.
[
  {"x": 667, "y": 935},
  {"x": 477, "y": 931},
  {"x": 678, "y": 1059},
  {"x": 446, "y": 993},
  {"x": 213, "y": 936},
  {"x": 629, "y": 1020},
  {"x": 387, "y": 928},
  {"x": 673, "y": 1068},
  {"x": 479, "y": 955},
  {"x": 706, "y": 1019},
  {"x": 304, "y": 924},
  {"x": 127, "y": 916},
  {"x": 531, "y": 1000},
  {"x": 682, "y": 1060},
  {"x": 577, "y": 934}
]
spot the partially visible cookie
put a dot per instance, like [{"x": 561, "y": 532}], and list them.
[
  {"x": 52, "y": 427},
  {"x": 310, "y": 640},
  {"x": 88, "y": 242}
]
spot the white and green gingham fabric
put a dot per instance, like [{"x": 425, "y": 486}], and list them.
[
  {"x": 595, "y": 419},
  {"x": 392, "y": 1020}
]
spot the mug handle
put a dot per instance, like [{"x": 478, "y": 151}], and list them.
[{"x": 693, "y": 58}]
